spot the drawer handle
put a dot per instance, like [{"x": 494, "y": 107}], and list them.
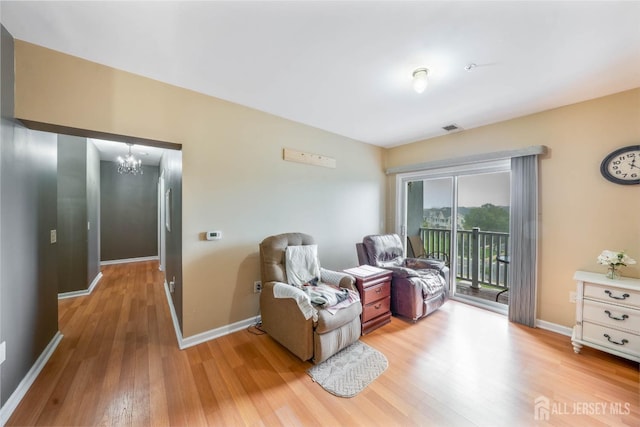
[
  {"x": 377, "y": 306},
  {"x": 378, "y": 290},
  {"x": 624, "y": 341},
  {"x": 624, "y": 316},
  {"x": 624, "y": 296}
]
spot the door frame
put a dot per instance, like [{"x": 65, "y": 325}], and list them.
[
  {"x": 402, "y": 180},
  {"x": 162, "y": 248}
]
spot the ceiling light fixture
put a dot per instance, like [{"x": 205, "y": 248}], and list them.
[
  {"x": 420, "y": 81},
  {"x": 129, "y": 165}
]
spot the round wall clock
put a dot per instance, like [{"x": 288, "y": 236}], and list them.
[{"x": 622, "y": 166}]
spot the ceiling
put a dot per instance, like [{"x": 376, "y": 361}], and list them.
[
  {"x": 111, "y": 150},
  {"x": 346, "y": 67}
]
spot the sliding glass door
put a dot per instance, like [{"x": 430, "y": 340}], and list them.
[
  {"x": 429, "y": 214},
  {"x": 483, "y": 237},
  {"x": 461, "y": 216}
]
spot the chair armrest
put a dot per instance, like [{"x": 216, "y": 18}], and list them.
[
  {"x": 286, "y": 291},
  {"x": 403, "y": 272},
  {"x": 429, "y": 264},
  {"x": 407, "y": 297},
  {"x": 284, "y": 322},
  {"x": 337, "y": 278},
  {"x": 424, "y": 263}
]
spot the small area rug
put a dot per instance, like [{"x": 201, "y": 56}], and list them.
[{"x": 349, "y": 371}]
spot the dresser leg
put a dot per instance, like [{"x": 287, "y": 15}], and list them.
[{"x": 576, "y": 347}]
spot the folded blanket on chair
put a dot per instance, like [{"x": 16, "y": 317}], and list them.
[
  {"x": 324, "y": 295},
  {"x": 432, "y": 282}
]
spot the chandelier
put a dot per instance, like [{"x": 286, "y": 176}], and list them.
[{"x": 129, "y": 165}]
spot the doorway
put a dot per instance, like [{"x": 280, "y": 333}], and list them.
[{"x": 461, "y": 216}]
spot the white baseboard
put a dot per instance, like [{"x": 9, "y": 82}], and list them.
[
  {"x": 174, "y": 316},
  {"x": 14, "y": 400},
  {"x": 218, "y": 332},
  {"x": 207, "y": 335},
  {"x": 83, "y": 292},
  {"x": 95, "y": 281},
  {"x": 127, "y": 260},
  {"x": 554, "y": 327}
]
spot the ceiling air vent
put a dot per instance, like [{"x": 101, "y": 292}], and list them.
[{"x": 452, "y": 127}]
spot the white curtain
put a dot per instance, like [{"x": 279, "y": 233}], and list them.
[{"x": 524, "y": 240}]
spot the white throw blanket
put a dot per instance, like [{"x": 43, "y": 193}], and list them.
[
  {"x": 301, "y": 264},
  {"x": 284, "y": 290},
  {"x": 303, "y": 274}
]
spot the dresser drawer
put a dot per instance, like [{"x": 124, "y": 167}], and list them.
[
  {"x": 612, "y": 315},
  {"x": 612, "y": 294},
  {"x": 375, "y": 309},
  {"x": 612, "y": 338},
  {"x": 376, "y": 292}
]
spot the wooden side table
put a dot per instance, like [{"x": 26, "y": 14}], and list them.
[{"x": 374, "y": 286}]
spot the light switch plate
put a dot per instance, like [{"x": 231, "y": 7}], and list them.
[
  {"x": 3, "y": 351},
  {"x": 54, "y": 236}
]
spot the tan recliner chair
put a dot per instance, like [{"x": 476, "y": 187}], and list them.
[{"x": 282, "y": 318}]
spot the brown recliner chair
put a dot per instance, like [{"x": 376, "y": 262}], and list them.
[
  {"x": 317, "y": 337},
  {"x": 418, "y": 286}
]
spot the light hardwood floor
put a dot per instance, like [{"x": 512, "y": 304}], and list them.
[{"x": 119, "y": 364}]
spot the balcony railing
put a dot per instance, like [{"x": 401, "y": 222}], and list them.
[{"x": 481, "y": 255}]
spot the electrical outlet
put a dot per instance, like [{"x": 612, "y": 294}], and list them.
[
  {"x": 257, "y": 287},
  {"x": 53, "y": 236},
  {"x": 172, "y": 285},
  {"x": 3, "y": 351},
  {"x": 572, "y": 296}
]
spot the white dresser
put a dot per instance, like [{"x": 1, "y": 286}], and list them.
[{"x": 607, "y": 315}]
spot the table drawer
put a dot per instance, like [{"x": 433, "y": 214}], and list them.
[
  {"x": 612, "y": 295},
  {"x": 611, "y": 338},
  {"x": 375, "y": 309},
  {"x": 612, "y": 315},
  {"x": 376, "y": 292}
]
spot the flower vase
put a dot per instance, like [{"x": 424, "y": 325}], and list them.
[{"x": 613, "y": 273}]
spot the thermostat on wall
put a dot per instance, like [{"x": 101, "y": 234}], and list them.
[{"x": 214, "y": 235}]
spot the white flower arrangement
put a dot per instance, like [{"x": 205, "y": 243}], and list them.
[{"x": 615, "y": 259}]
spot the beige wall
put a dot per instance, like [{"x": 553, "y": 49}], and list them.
[
  {"x": 580, "y": 212},
  {"x": 234, "y": 178}
]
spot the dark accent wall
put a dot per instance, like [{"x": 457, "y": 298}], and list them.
[
  {"x": 28, "y": 261},
  {"x": 128, "y": 213},
  {"x": 172, "y": 165},
  {"x": 72, "y": 214},
  {"x": 78, "y": 213}
]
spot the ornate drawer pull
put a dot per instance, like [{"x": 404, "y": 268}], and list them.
[
  {"x": 624, "y": 341},
  {"x": 624, "y": 316},
  {"x": 377, "y": 306},
  {"x": 624, "y": 296},
  {"x": 378, "y": 290}
]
